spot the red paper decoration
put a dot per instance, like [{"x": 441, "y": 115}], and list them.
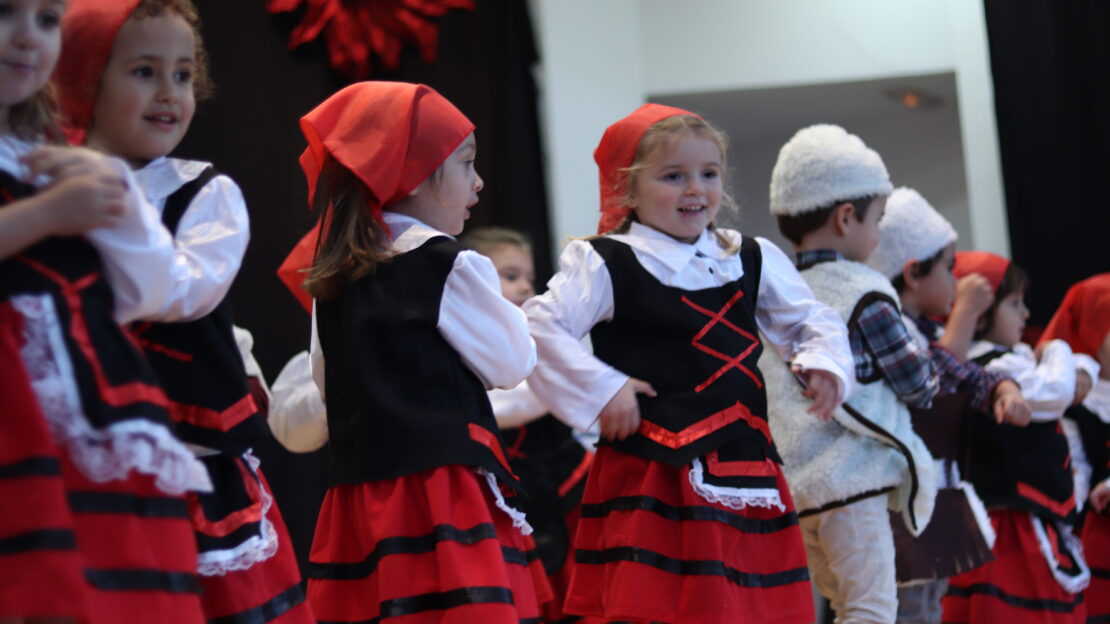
[{"x": 356, "y": 28}]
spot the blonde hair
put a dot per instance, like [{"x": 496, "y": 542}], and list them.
[
  {"x": 484, "y": 240},
  {"x": 33, "y": 119},
  {"x": 661, "y": 135}
]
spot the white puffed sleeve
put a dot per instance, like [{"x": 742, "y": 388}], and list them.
[
  {"x": 568, "y": 378},
  {"x": 516, "y": 406},
  {"x": 802, "y": 329},
  {"x": 487, "y": 330},
  {"x": 298, "y": 418},
  {"x": 1048, "y": 385}
]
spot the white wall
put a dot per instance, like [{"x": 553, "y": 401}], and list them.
[{"x": 602, "y": 58}]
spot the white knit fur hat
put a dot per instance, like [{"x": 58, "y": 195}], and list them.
[
  {"x": 822, "y": 164},
  {"x": 911, "y": 230}
]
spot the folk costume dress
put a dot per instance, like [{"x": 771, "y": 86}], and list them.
[
  {"x": 1083, "y": 320},
  {"x": 247, "y": 564},
  {"x": 96, "y": 524},
  {"x": 418, "y": 524}
]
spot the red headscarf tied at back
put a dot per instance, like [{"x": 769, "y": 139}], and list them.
[
  {"x": 616, "y": 152},
  {"x": 991, "y": 266},
  {"x": 392, "y": 135},
  {"x": 89, "y": 31},
  {"x": 1083, "y": 319}
]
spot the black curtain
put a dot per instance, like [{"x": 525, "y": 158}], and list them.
[
  {"x": 249, "y": 130},
  {"x": 1051, "y": 65}
]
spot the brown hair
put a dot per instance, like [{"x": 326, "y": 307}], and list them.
[
  {"x": 663, "y": 134},
  {"x": 918, "y": 269},
  {"x": 355, "y": 242},
  {"x": 795, "y": 227},
  {"x": 186, "y": 10},
  {"x": 1013, "y": 280},
  {"x": 34, "y": 118},
  {"x": 484, "y": 240}
]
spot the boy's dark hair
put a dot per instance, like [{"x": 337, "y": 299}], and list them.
[
  {"x": 920, "y": 269},
  {"x": 1013, "y": 280},
  {"x": 795, "y": 227},
  {"x": 186, "y": 10}
]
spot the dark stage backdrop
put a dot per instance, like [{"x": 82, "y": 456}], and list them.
[
  {"x": 1051, "y": 65},
  {"x": 249, "y": 130}
]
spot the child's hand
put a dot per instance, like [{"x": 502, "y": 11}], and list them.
[
  {"x": 1100, "y": 496},
  {"x": 1083, "y": 385},
  {"x": 973, "y": 295},
  {"x": 1009, "y": 406},
  {"x": 60, "y": 163},
  {"x": 620, "y": 417},
  {"x": 85, "y": 193},
  {"x": 822, "y": 388}
]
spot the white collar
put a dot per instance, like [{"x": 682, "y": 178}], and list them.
[
  {"x": 672, "y": 252},
  {"x": 980, "y": 348},
  {"x": 408, "y": 233},
  {"x": 162, "y": 176}
]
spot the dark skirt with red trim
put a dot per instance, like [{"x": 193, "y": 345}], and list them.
[
  {"x": 1018, "y": 587},
  {"x": 138, "y": 550},
  {"x": 268, "y": 591},
  {"x": 40, "y": 568},
  {"x": 430, "y": 547},
  {"x": 1096, "y": 548},
  {"x": 650, "y": 548}
]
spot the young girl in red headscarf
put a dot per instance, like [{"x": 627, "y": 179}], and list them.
[
  {"x": 1083, "y": 321},
  {"x": 93, "y": 521},
  {"x": 686, "y": 515},
  {"x": 413, "y": 329},
  {"x": 1023, "y": 474},
  {"x": 129, "y": 75}
]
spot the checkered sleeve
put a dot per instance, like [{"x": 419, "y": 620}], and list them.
[
  {"x": 881, "y": 345},
  {"x": 979, "y": 381}
]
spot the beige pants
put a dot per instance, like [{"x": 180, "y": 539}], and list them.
[{"x": 851, "y": 561}]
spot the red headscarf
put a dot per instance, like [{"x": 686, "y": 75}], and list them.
[
  {"x": 89, "y": 31},
  {"x": 616, "y": 152},
  {"x": 991, "y": 266},
  {"x": 392, "y": 135},
  {"x": 1083, "y": 319}
]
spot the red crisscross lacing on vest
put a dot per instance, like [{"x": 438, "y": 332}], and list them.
[{"x": 730, "y": 362}]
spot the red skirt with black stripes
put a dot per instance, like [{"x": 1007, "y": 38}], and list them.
[
  {"x": 425, "y": 548},
  {"x": 1018, "y": 587},
  {"x": 1096, "y": 548},
  {"x": 650, "y": 548}
]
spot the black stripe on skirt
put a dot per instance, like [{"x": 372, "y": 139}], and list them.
[
  {"x": 1032, "y": 604},
  {"x": 143, "y": 580},
  {"x": 43, "y": 539},
  {"x": 400, "y": 545},
  {"x": 463, "y": 596},
  {"x": 687, "y": 567},
  {"x": 123, "y": 503},
  {"x": 690, "y": 512},
  {"x": 271, "y": 610},
  {"x": 31, "y": 467}
]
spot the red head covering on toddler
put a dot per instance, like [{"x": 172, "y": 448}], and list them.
[
  {"x": 89, "y": 31},
  {"x": 616, "y": 152},
  {"x": 1083, "y": 319},
  {"x": 991, "y": 266},
  {"x": 392, "y": 135}
]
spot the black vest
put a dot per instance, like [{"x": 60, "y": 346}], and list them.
[
  {"x": 198, "y": 362},
  {"x": 114, "y": 381},
  {"x": 1095, "y": 435},
  {"x": 1021, "y": 467},
  {"x": 400, "y": 399},
  {"x": 698, "y": 349}
]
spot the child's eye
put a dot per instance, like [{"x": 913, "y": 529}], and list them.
[
  {"x": 143, "y": 71},
  {"x": 710, "y": 174},
  {"x": 6, "y": 9},
  {"x": 673, "y": 177},
  {"x": 183, "y": 76},
  {"x": 49, "y": 19}
]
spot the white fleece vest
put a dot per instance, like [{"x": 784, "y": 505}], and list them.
[{"x": 833, "y": 463}]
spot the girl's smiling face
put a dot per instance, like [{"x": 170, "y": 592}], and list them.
[
  {"x": 30, "y": 41},
  {"x": 679, "y": 191}
]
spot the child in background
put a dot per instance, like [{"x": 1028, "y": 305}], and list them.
[
  {"x": 828, "y": 191},
  {"x": 147, "y": 64},
  {"x": 686, "y": 516},
  {"x": 93, "y": 520},
  {"x": 1023, "y": 474},
  {"x": 1083, "y": 321},
  {"x": 413, "y": 330},
  {"x": 543, "y": 451},
  {"x": 916, "y": 252}
]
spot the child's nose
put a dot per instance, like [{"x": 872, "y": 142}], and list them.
[{"x": 479, "y": 184}]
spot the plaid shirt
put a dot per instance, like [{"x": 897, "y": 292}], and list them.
[
  {"x": 881, "y": 345},
  {"x": 954, "y": 374}
]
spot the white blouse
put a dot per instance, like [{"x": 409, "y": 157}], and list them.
[
  {"x": 1047, "y": 385},
  {"x": 576, "y": 385},
  {"x": 487, "y": 330},
  {"x": 211, "y": 237}
]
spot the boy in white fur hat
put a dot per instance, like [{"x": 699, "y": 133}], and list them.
[
  {"x": 829, "y": 191},
  {"x": 916, "y": 252}
]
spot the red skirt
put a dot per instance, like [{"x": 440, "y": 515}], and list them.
[
  {"x": 40, "y": 568},
  {"x": 425, "y": 548},
  {"x": 268, "y": 591},
  {"x": 1018, "y": 587},
  {"x": 1096, "y": 547},
  {"x": 649, "y": 548}
]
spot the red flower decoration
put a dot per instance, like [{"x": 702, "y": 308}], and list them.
[{"x": 356, "y": 28}]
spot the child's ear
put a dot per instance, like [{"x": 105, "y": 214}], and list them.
[
  {"x": 909, "y": 275},
  {"x": 842, "y": 217}
]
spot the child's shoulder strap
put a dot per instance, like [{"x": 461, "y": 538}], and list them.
[
  {"x": 178, "y": 202},
  {"x": 752, "y": 256}
]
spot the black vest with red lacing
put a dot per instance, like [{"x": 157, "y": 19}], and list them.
[
  {"x": 1025, "y": 468},
  {"x": 114, "y": 381},
  {"x": 698, "y": 349},
  {"x": 400, "y": 399},
  {"x": 198, "y": 362}
]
